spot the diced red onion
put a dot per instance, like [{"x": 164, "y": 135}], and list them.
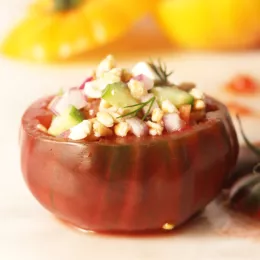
[
  {"x": 82, "y": 86},
  {"x": 138, "y": 127},
  {"x": 173, "y": 122},
  {"x": 148, "y": 83},
  {"x": 52, "y": 105},
  {"x": 65, "y": 134},
  {"x": 93, "y": 89},
  {"x": 73, "y": 97}
]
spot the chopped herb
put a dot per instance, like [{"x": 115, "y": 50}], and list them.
[
  {"x": 160, "y": 70},
  {"x": 140, "y": 106}
]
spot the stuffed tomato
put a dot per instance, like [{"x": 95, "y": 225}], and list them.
[{"x": 127, "y": 151}]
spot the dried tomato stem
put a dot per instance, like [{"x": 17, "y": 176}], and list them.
[{"x": 66, "y": 5}]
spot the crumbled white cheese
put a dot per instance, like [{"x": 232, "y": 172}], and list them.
[
  {"x": 168, "y": 107},
  {"x": 105, "y": 65},
  {"x": 81, "y": 130},
  {"x": 199, "y": 105},
  {"x": 122, "y": 129},
  {"x": 112, "y": 76},
  {"x": 145, "y": 69},
  {"x": 116, "y": 117},
  {"x": 104, "y": 105},
  {"x": 101, "y": 130},
  {"x": 105, "y": 118},
  {"x": 197, "y": 93},
  {"x": 157, "y": 115},
  {"x": 137, "y": 88},
  {"x": 93, "y": 89},
  {"x": 154, "y": 128},
  {"x": 173, "y": 122}
]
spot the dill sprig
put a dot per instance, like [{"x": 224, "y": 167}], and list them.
[
  {"x": 160, "y": 70},
  {"x": 140, "y": 106}
]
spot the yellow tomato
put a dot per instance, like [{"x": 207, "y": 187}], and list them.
[
  {"x": 210, "y": 24},
  {"x": 52, "y": 31}
]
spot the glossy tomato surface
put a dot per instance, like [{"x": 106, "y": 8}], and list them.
[{"x": 128, "y": 184}]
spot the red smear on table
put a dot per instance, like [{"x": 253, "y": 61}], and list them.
[
  {"x": 242, "y": 110},
  {"x": 243, "y": 85}
]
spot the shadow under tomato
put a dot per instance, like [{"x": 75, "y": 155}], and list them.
[{"x": 195, "y": 221}]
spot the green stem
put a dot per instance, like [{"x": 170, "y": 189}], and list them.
[{"x": 65, "y": 5}]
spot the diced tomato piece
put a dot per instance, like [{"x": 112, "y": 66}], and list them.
[
  {"x": 185, "y": 111},
  {"x": 45, "y": 119}
]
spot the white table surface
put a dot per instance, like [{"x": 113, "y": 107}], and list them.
[{"x": 27, "y": 231}]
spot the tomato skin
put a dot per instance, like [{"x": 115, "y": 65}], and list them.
[{"x": 128, "y": 184}]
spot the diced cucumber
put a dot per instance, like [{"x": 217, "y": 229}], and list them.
[
  {"x": 69, "y": 118},
  {"x": 175, "y": 95},
  {"x": 118, "y": 95}
]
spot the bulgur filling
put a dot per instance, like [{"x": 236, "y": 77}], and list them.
[{"x": 120, "y": 102}]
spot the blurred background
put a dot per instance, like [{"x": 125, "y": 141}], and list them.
[
  {"x": 73, "y": 30},
  {"x": 46, "y": 45}
]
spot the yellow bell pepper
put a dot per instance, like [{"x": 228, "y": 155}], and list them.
[
  {"x": 58, "y": 30},
  {"x": 210, "y": 24}
]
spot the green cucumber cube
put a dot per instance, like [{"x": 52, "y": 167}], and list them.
[
  {"x": 175, "y": 95},
  {"x": 71, "y": 117},
  {"x": 118, "y": 95}
]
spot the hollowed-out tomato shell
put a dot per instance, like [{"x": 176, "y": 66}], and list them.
[{"x": 128, "y": 184}]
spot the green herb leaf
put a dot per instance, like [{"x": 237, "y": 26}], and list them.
[
  {"x": 140, "y": 106},
  {"x": 160, "y": 70},
  {"x": 151, "y": 101}
]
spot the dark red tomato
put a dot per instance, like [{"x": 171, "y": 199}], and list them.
[
  {"x": 243, "y": 84},
  {"x": 129, "y": 184},
  {"x": 245, "y": 195}
]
